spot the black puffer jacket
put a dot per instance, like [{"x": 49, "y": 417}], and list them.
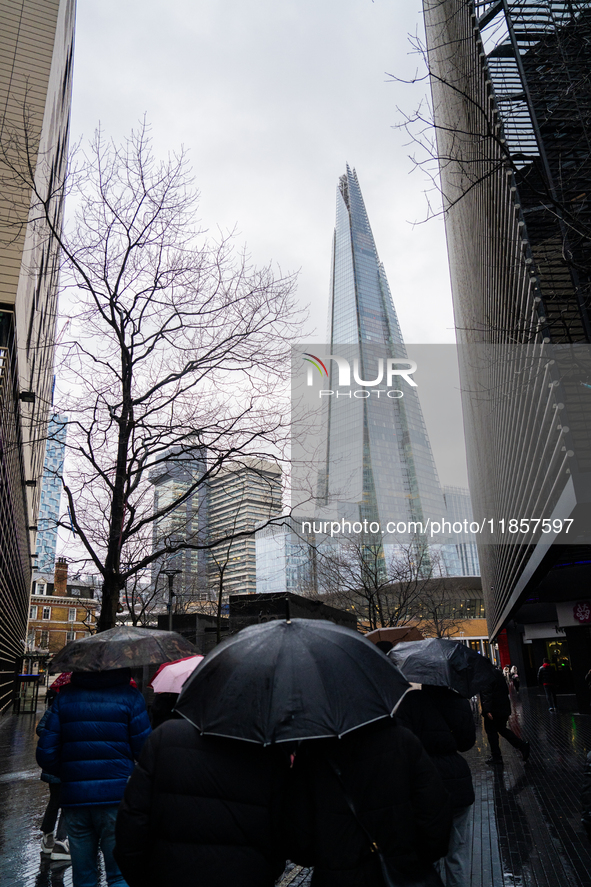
[
  {"x": 397, "y": 794},
  {"x": 444, "y": 723},
  {"x": 202, "y": 811},
  {"x": 495, "y": 699}
]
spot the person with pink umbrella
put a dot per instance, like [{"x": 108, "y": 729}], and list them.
[{"x": 167, "y": 683}]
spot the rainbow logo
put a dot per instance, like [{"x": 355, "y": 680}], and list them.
[{"x": 316, "y": 362}]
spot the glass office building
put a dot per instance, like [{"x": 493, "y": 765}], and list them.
[{"x": 379, "y": 464}]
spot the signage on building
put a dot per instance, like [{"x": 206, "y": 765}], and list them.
[
  {"x": 582, "y": 612},
  {"x": 573, "y": 613}
]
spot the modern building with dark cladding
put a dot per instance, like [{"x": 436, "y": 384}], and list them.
[
  {"x": 512, "y": 109},
  {"x": 36, "y": 55}
]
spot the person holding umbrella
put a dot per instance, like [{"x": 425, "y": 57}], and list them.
[
  {"x": 495, "y": 705},
  {"x": 210, "y": 802},
  {"x": 444, "y": 723},
  {"x": 94, "y": 733}
]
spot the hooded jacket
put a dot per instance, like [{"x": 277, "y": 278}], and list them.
[
  {"x": 444, "y": 723},
  {"x": 202, "y": 810},
  {"x": 399, "y": 800},
  {"x": 94, "y": 732}
]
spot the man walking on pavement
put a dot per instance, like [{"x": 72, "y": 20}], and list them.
[
  {"x": 496, "y": 708},
  {"x": 547, "y": 678},
  {"x": 96, "y": 729}
]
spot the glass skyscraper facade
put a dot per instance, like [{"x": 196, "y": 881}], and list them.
[
  {"x": 51, "y": 493},
  {"x": 379, "y": 463}
]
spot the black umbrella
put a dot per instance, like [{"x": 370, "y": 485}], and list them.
[
  {"x": 285, "y": 681},
  {"x": 121, "y": 647},
  {"x": 444, "y": 663}
]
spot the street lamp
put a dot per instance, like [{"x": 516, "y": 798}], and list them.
[{"x": 171, "y": 574}]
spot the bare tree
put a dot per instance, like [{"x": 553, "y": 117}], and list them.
[
  {"x": 384, "y": 589},
  {"x": 175, "y": 342},
  {"x": 440, "y": 609}
]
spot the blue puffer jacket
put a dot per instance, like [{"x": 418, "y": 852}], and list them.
[{"x": 96, "y": 729}]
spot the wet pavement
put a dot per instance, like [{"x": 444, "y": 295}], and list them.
[{"x": 527, "y": 828}]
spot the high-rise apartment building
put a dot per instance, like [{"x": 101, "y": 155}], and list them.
[
  {"x": 379, "y": 464},
  {"x": 512, "y": 110},
  {"x": 36, "y": 53},
  {"x": 239, "y": 498}
]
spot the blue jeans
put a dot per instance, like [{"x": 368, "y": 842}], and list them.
[
  {"x": 457, "y": 865},
  {"x": 91, "y": 828}
]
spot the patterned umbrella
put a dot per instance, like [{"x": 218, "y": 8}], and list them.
[
  {"x": 121, "y": 647},
  {"x": 64, "y": 678}
]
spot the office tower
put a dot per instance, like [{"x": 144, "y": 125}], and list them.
[
  {"x": 512, "y": 113},
  {"x": 51, "y": 493},
  {"x": 36, "y": 46},
  {"x": 379, "y": 464},
  {"x": 285, "y": 558},
  {"x": 180, "y": 507},
  {"x": 459, "y": 511},
  {"x": 239, "y": 498}
]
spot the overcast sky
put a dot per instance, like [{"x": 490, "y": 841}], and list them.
[{"x": 272, "y": 99}]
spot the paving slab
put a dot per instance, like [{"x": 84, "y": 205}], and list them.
[{"x": 527, "y": 828}]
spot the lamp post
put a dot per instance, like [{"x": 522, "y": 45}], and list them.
[{"x": 171, "y": 574}]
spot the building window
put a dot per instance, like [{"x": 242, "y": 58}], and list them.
[
  {"x": 47, "y": 612},
  {"x": 44, "y": 642},
  {"x": 72, "y": 614},
  {"x": 40, "y": 588},
  {"x": 70, "y": 635},
  {"x": 32, "y": 612},
  {"x": 75, "y": 592}
]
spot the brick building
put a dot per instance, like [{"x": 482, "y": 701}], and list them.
[{"x": 60, "y": 611}]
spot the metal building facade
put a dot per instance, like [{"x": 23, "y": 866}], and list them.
[
  {"x": 512, "y": 105},
  {"x": 36, "y": 56}
]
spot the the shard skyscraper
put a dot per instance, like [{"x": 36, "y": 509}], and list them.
[{"x": 379, "y": 464}]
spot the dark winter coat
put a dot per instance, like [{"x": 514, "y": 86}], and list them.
[
  {"x": 444, "y": 723},
  {"x": 202, "y": 811},
  {"x": 397, "y": 794},
  {"x": 95, "y": 730},
  {"x": 495, "y": 700},
  {"x": 547, "y": 675},
  {"x": 45, "y": 776},
  {"x": 586, "y": 797}
]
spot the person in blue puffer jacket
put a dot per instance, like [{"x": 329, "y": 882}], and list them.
[{"x": 93, "y": 736}]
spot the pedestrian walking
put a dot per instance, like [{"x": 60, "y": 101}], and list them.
[
  {"x": 547, "y": 678},
  {"x": 495, "y": 705},
  {"x": 515, "y": 678},
  {"x": 96, "y": 728},
  {"x": 368, "y": 801},
  {"x": 202, "y": 810},
  {"x": 53, "y": 843},
  {"x": 444, "y": 723},
  {"x": 507, "y": 673}
]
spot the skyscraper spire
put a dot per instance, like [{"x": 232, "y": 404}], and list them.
[{"x": 379, "y": 463}]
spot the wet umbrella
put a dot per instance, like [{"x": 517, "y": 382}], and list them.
[
  {"x": 121, "y": 647},
  {"x": 171, "y": 676},
  {"x": 285, "y": 681},
  {"x": 444, "y": 663}
]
